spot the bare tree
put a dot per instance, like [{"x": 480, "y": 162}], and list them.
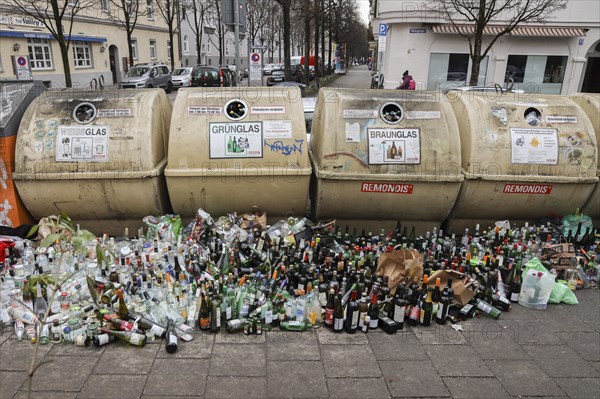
[
  {"x": 286, "y": 6},
  {"x": 258, "y": 17},
  {"x": 125, "y": 16},
  {"x": 196, "y": 19},
  {"x": 169, "y": 10},
  {"x": 216, "y": 18},
  {"x": 479, "y": 13},
  {"x": 56, "y": 15}
]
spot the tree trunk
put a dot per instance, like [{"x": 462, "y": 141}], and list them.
[
  {"x": 129, "y": 49},
  {"x": 475, "y": 66},
  {"x": 171, "y": 52},
  {"x": 286, "y": 40},
  {"x": 306, "y": 41},
  {"x": 329, "y": 11},
  {"x": 64, "y": 53},
  {"x": 317, "y": 71},
  {"x": 324, "y": 71}
]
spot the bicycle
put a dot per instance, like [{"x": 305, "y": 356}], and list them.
[{"x": 95, "y": 83}]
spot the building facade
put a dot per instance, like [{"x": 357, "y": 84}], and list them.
[
  {"x": 561, "y": 56},
  {"x": 98, "y": 47}
]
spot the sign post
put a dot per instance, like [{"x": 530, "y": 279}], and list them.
[
  {"x": 22, "y": 67},
  {"x": 255, "y": 67}
]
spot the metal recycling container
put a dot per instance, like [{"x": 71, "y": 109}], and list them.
[
  {"x": 98, "y": 156},
  {"x": 382, "y": 156},
  {"x": 590, "y": 103},
  {"x": 15, "y": 97},
  {"x": 525, "y": 157},
  {"x": 231, "y": 149}
]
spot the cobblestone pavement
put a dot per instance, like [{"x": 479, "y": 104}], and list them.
[{"x": 551, "y": 353}]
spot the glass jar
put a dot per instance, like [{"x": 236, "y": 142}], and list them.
[{"x": 65, "y": 301}]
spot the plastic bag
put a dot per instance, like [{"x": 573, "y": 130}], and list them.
[
  {"x": 166, "y": 227},
  {"x": 562, "y": 293},
  {"x": 570, "y": 224}
]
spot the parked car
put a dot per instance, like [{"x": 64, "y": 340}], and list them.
[
  {"x": 182, "y": 77},
  {"x": 267, "y": 69},
  {"x": 148, "y": 75},
  {"x": 276, "y": 76},
  {"x": 206, "y": 76},
  {"x": 233, "y": 69}
]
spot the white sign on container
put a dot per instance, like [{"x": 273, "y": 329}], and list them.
[
  {"x": 394, "y": 146},
  {"x": 235, "y": 140},
  {"x": 534, "y": 146},
  {"x": 82, "y": 143},
  {"x": 277, "y": 129}
]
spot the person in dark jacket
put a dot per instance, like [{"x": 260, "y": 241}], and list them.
[{"x": 406, "y": 79}]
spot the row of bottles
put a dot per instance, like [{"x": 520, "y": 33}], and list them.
[{"x": 293, "y": 275}]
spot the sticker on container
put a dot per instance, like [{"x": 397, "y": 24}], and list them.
[
  {"x": 235, "y": 140},
  {"x": 532, "y": 104},
  {"x": 198, "y": 110},
  {"x": 394, "y": 146},
  {"x": 423, "y": 115},
  {"x": 527, "y": 188},
  {"x": 388, "y": 188},
  {"x": 268, "y": 110},
  {"x": 281, "y": 129},
  {"x": 352, "y": 132},
  {"x": 114, "y": 113},
  {"x": 82, "y": 143},
  {"x": 534, "y": 146},
  {"x": 561, "y": 119},
  {"x": 359, "y": 114}
]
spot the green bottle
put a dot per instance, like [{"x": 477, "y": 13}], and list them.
[{"x": 294, "y": 325}]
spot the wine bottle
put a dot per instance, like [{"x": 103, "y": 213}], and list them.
[
  {"x": 329, "y": 310},
  {"x": 149, "y": 325},
  {"x": 398, "y": 308},
  {"x": 171, "y": 338},
  {"x": 444, "y": 306},
  {"x": 338, "y": 314},
  {"x": 351, "y": 323},
  {"x": 123, "y": 312},
  {"x": 132, "y": 338},
  {"x": 488, "y": 309},
  {"x": 436, "y": 297},
  {"x": 373, "y": 313},
  {"x": 40, "y": 306},
  {"x": 204, "y": 316},
  {"x": 215, "y": 315},
  {"x": 427, "y": 310}
]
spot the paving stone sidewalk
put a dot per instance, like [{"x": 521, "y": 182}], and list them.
[{"x": 526, "y": 353}]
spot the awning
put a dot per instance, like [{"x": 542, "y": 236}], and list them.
[
  {"x": 547, "y": 31},
  {"x": 465, "y": 29},
  {"x": 530, "y": 31},
  {"x": 45, "y": 35}
]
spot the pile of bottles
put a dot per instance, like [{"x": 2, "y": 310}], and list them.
[{"x": 293, "y": 275}]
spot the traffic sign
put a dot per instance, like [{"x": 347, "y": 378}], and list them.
[{"x": 383, "y": 30}]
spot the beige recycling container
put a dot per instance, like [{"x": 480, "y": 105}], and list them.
[
  {"x": 381, "y": 156},
  {"x": 590, "y": 103},
  {"x": 231, "y": 149},
  {"x": 525, "y": 157},
  {"x": 98, "y": 156}
]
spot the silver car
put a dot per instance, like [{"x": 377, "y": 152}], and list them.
[
  {"x": 182, "y": 77},
  {"x": 148, "y": 75}
]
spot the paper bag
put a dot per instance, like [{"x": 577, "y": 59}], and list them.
[
  {"x": 464, "y": 286},
  {"x": 561, "y": 256},
  {"x": 400, "y": 265},
  {"x": 257, "y": 217}
]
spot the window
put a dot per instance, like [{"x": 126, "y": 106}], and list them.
[
  {"x": 152, "y": 49},
  {"x": 163, "y": 70},
  {"x": 104, "y": 5},
  {"x": 40, "y": 54},
  {"x": 82, "y": 54},
  {"x": 208, "y": 48},
  {"x": 169, "y": 49},
  {"x": 149, "y": 10},
  {"x": 536, "y": 73},
  {"x": 451, "y": 70},
  {"x": 134, "y": 51},
  {"x": 210, "y": 61},
  {"x": 185, "y": 44}
]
